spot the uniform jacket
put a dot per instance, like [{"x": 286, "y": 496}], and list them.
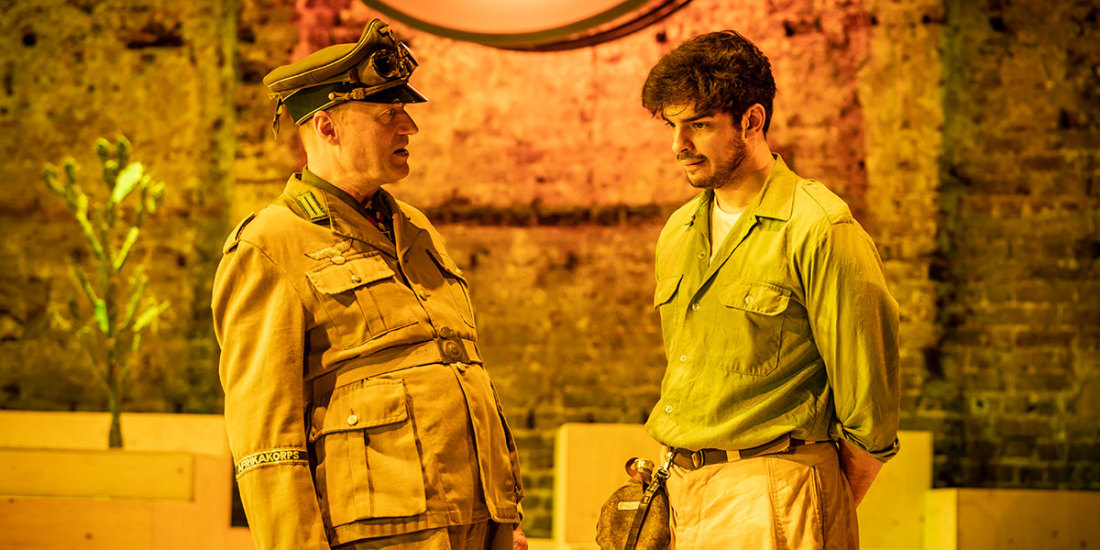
[
  {"x": 355, "y": 398},
  {"x": 790, "y": 329}
]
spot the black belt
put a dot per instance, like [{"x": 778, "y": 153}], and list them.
[{"x": 692, "y": 460}]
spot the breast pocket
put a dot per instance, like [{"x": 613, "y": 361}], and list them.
[
  {"x": 368, "y": 465},
  {"x": 363, "y": 298},
  {"x": 457, "y": 287},
  {"x": 752, "y": 320},
  {"x": 664, "y": 296}
]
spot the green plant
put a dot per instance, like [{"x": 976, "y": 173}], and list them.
[{"x": 118, "y": 308}]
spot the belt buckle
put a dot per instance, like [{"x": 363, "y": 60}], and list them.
[{"x": 697, "y": 459}]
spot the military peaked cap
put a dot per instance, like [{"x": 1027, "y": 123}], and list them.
[{"x": 375, "y": 69}]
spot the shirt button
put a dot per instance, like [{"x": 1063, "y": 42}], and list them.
[
  {"x": 683, "y": 358},
  {"x": 701, "y": 255},
  {"x": 668, "y": 409},
  {"x": 695, "y": 307},
  {"x": 338, "y": 260},
  {"x": 353, "y": 420},
  {"x": 355, "y": 279},
  {"x": 748, "y": 300},
  {"x": 445, "y": 332}
]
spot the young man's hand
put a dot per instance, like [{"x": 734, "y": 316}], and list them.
[
  {"x": 859, "y": 467},
  {"x": 519, "y": 539}
]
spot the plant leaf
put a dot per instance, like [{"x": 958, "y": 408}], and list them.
[
  {"x": 101, "y": 315},
  {"x": 124, "y": 251},
  {"x": 128, "y": 180},
  {"x": 149, "y": 315}
]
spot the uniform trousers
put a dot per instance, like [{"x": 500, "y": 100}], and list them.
[
  {"x": 794, "y": 500},
  {"x": 483, "y": 535}
]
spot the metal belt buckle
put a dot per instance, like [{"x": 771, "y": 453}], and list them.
[{"x": 697, "y": 459}]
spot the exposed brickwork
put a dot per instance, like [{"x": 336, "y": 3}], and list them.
[
  {"x": 1016, "y": 381},
  {"x": 72, "y": 71},
  {"x": 964, "y": 134}
]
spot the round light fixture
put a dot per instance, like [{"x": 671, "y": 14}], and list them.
[{"x": 531, "y": 25}]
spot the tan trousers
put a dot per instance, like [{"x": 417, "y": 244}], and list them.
[
  {"x": 485, "y": 535},
  {"x": 797, "y": 500}
]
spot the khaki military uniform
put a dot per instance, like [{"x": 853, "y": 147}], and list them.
[{"x": 355, "y": 398}]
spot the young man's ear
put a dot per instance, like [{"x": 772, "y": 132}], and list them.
[{"x": 753, "y": 120}]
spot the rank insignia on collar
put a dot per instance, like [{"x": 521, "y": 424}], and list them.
[{"x": 311, "y": 206}]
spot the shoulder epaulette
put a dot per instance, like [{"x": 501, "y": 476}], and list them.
[
  {"x": 834, "y": 207},
  {"x": 235, "y": 235}
]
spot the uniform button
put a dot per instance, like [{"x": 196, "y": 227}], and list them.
[
  {"x": 353, "y": 420},
  {"x": 338, "y": 260},
  {"x": 701, "y": 255},
  {"x": 748, "y": 300},
  {"x": 695, "y": 307},
  {"x": 668, "y": 409},
  {"x": 445, "y": 332},
  {"x": 461, "y": 367},
  {"x": 452, "y": 349},
  {"x": 683, "y": 358},
  {"x": 356, "y": 279}
]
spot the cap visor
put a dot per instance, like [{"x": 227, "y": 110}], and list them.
[{"x": 404, "y": 93}]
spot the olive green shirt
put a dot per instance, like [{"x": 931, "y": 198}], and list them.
[{"x": 790, "y": 328}]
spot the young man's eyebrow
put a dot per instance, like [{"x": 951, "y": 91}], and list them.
[{"x": 689, "y": 120}]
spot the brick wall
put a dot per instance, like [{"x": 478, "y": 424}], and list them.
[
  {"x": 72, "y": 71},
  {"x": 964, "y": 135},
  {"x": 1015, "y": 376}
]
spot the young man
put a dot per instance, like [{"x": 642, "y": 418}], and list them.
[
  {"x": 356, "y": 404},
  {"x": 780, "y": 401}
]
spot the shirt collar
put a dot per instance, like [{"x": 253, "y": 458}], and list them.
[{"x": 775, "y": 199}]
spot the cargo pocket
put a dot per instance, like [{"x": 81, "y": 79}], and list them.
[
  {"x": 363, "y": 298},
  {"x": 368, "y": 464},
  {"x": 456, "y": 284},
  {"x": 754, "y": 317}
]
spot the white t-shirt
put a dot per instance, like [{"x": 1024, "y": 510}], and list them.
[{"x": 720, "y": 224}]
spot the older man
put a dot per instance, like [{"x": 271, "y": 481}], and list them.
[{"x": 357, "y": 406}]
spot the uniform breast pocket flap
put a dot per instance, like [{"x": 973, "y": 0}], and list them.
[
  {"x": 368, "y": 463},
  {"x": 666, "y": 289},
  {"x": 353, "y": 273},
  {"x": 756, "y": 297},
  {"x": 456, "y": 284}
]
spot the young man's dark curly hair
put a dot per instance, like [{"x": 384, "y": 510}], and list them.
[{"x": 715, "y": 72}]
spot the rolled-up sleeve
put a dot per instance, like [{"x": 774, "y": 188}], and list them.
[
  {"x": 259, "y": 320},
  {"x": 854, "y": 320}
]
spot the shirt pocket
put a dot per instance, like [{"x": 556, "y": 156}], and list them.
[
  {"x": 456, "y": 284},
  {"x": 749, "y": 333},
  {"x": 363, "y": 298},
  {"x": 666, "y": 290},
  {"x": 367, "y": 460},
  {"x": 663, "y": 298}
]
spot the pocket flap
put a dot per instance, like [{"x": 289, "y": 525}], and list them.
[
  {"x": 360, "y": 405},
  {"x": 666, "y": 289},
  {"x": 355, "y": 272},
  {"x": 755, "y": 296}
]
